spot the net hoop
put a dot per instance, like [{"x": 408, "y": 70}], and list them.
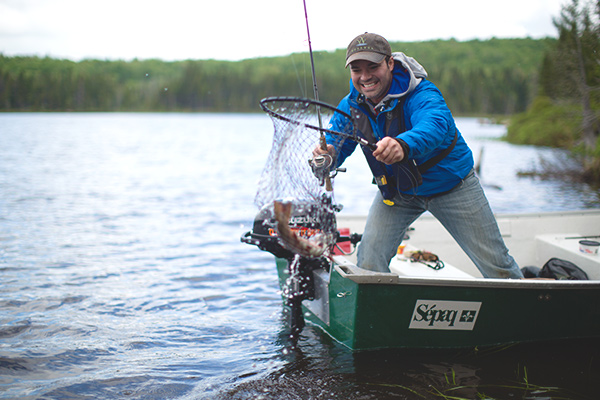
[{"x": 264, "y": 104}]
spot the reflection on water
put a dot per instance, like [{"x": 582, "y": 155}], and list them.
[{"x": 123, "y": 275}]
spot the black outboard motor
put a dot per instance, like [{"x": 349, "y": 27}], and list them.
[
  {"x": 304, "y": 220},
  {"x": 300, "y": 286},
  {"x": 264, "y": 235}
]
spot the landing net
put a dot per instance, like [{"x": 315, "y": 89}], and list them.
[{"x": 292, "y": 176}]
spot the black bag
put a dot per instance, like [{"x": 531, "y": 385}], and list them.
[
  {"x": 530, "y": 272},
  {"x": 556, "y": 268}
]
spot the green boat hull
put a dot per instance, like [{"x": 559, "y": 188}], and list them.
[{"x": 364, "y": 310}]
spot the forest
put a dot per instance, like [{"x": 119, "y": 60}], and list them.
[{"x": 478, "y": 77}]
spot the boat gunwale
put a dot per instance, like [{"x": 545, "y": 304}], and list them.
[{"x": 358, "y": 275}]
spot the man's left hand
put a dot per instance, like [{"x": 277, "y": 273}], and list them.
[{"x": 388, "y": 151}]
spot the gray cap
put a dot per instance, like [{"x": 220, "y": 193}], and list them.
[{"x": 368, "y": 46}]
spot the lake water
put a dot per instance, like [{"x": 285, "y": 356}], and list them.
[{"x": 123, "y": 276}]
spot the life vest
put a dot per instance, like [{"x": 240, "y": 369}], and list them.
[{"x": 404, "y": 175}]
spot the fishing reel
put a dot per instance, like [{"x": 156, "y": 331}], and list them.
[{"x": 321, "y": 167}]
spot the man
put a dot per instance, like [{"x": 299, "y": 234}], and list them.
[{"x": 422, "y": 162}]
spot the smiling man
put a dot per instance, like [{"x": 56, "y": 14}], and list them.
[{"x": 422, "y": 162}]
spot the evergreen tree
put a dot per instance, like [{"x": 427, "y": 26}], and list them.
[
  {"x": 571, "y": 71},
  {"x": 567, "y": 110}
]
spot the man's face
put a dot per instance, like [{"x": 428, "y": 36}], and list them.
[{"x": 372, "y": 80}]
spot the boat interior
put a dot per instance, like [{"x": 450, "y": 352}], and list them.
[{"x": 532, "y": 240}]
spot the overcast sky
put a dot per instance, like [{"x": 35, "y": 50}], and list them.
[{"x": 239, "y": 29}]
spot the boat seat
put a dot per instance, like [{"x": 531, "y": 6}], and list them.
[
  {"x": 566, "y": 247},
  {"x": 404, "y": 267}
]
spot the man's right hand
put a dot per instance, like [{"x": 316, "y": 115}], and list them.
[{"x": 389, "y": 151}]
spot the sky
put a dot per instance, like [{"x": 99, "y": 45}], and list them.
[{"x": 240, "y": 29}]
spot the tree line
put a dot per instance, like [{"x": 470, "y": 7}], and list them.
[
  {"x": 489, "y": 77},
  {"x": 566, "y": 110}
]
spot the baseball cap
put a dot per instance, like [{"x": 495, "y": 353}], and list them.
[{"x": 368, "y": 46}]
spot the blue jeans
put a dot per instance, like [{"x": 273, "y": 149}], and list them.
[{"x": 464, "y": 212}]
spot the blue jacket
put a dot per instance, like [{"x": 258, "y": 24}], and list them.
[{"x": 429, "y": 123}]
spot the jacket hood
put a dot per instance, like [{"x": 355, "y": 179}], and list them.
[
  {"x": 408, "y": 73},
  {"x": 414, "y": 71}
]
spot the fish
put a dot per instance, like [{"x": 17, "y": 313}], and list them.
[{"x": 312, "y": 248}]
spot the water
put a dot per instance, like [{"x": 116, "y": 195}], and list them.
[{"x": 123, "y": 277}]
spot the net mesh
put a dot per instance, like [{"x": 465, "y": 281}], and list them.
[{"x": 295, "y": 183}]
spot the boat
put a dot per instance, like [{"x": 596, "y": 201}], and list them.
[{"x": 448, "y": 304}]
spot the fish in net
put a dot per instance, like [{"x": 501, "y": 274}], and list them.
[{"x": 295, "y": 191}]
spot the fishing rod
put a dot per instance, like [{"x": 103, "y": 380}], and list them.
[
  {"x": 323, "y": 142},
  {"x": 312, "y": 63}
]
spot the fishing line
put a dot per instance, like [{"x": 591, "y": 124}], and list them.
[
  {"x": 302, "y": 87},
  {"x": 410, "y": 176}
]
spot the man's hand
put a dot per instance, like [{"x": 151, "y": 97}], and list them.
[
  {"x": 321, "y": 164},
  {"x": 318, "y": 151},
  {"x": 388, "y": 151}
]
